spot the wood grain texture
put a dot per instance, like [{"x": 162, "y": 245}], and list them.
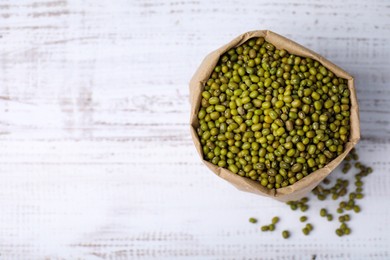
[{"x": 97, "y": 160}]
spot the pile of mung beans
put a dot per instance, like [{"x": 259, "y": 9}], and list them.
[
  {"x": 345, "y": 195},
  {"x": 272, "y": 116}
]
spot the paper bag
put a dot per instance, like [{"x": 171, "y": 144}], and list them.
[{"x": 306, "y": 184}]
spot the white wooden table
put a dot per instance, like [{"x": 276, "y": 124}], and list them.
[{"x": 96, "y": 159}]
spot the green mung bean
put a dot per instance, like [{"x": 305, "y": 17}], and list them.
[
  {"x": 252, "y": 220},
  {"x": 275, "y": 220}
]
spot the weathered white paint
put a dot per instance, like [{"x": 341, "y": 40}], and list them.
[{"x": 96, "y": 160}]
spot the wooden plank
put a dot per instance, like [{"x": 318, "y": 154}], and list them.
[{"x": 97, "y": 161}]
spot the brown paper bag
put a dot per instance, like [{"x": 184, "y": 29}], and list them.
[{"x": 306, "y": 184}]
